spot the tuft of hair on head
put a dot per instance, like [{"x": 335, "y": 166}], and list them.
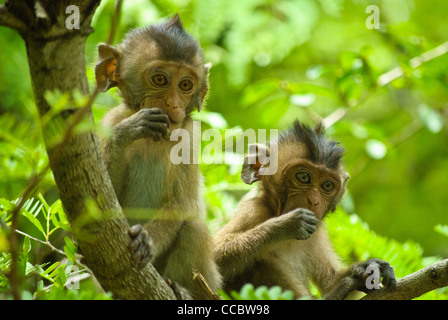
[
  {"x": 320, "y": 150},
  {"x": 174, "y": 22},
  {"x": 174, "y": 42}
]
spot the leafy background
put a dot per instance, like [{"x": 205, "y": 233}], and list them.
[{"x": 273, "y": 61}]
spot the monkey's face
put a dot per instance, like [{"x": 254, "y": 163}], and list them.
[
  {"x": 310, "y": 186},
  {"x": 170, "y": 86}
]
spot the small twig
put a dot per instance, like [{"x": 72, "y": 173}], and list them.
[
  {"x": 115, "y": 21},
  {"x": 197, "y": 276},
  {"x": 414, "y": 63},
  {"x": 47, "y": 243},
  {"x": 13, "y": 241},
  {"x": 391, "y": 75}
]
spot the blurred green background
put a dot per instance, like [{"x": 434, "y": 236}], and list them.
[{"x": 276, "y": 61}]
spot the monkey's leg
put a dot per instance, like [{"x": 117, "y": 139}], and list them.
[
  {"x": 193, "y": 250},
  {"x": 277, "y": 273}
]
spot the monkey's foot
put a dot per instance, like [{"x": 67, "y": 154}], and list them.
[
  {"x": 141, "y": 245},
  {"x": 180, "y": 292},
  {"x": 369, "y": 274}
]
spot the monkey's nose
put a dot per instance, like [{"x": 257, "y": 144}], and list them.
[
  {"x": 313, "y": 203},
  {"x": 172, "y": 103}
]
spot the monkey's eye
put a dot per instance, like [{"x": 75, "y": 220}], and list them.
[
  {"x": 303, "y": 177},
  {"x": 186, "y": 85},
  {"x": 159, "y": 80},
  {"x": 328, "y": 186}
]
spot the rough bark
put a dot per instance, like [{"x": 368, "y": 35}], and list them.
[{"x": 56, "y": 60}]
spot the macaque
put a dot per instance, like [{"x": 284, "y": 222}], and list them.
[
  {"x": 161, "y": 75},
  {"x": 277, "y": 236}
]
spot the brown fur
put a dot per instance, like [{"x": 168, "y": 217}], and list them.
[
  {"x": 163, "y": 197},
  {"x": 277, "y": 236}
]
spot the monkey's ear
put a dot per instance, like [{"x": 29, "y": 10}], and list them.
[
  {"x": 106, "y": 69},
  {"x": 204, "y": 90},
  {"x": 207, "y": 67},
  {"x": 258, "y": 156}
]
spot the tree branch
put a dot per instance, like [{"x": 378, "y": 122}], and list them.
[
  {"x": 77, "y": 163},
  {"x": 8, "y": 19},
  {"x": 391, "y": 75},
  {"x": 416, "y": 62},
  {"x": 414, "y": 285}
]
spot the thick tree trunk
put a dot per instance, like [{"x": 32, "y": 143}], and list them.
[{"x": 56, "y": 59}]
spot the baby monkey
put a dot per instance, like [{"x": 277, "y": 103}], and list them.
[
  {"x": 276, "y": 236},
  {"x": 162, "y": 77}
]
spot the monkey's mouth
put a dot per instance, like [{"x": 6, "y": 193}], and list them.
[{"x": 174, "y": 125}]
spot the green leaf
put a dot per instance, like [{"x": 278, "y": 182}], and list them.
[
  {"x": 349, "y": 61},
  {"x": 70, "y": 249},
  {"x": 56, "y": 271},
  {"x": 7, "y": 205},
  {"x": 259, "y": 90},
  {"x": 49, "y": 269},
  {"x": 287, "y": 295},
  {"x": 275, "y": 293},
  {"x": 306, "y": 88},
  {"x": 262, "y": 293},
  {"x": 26, "y": 245},
  {"x": 442, "y": 229},
  {"x": 224, "y": 295},
  {"x": 44, "y": 204},
  {"x": 61, "y": 278},
  {"x": 31, "y": 218},
  {"x": 58, "y": 216},
  {"x": 248, "y": 292}
]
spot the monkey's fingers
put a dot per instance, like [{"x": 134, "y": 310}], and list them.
[
  {"x": 142, "y": 254},
  {"x": 163, "y": 117},
  {"x": 141, "y": 245},
  {"x": 157, "y": 115},
  {"x": 141, "y": 257},
  {"x": 310, "y": 227},
  {"x": 311, "y": 219},
  {"x": 308, "y": 216},
  {"x": 388, "y": 274},
  {"x": 135, "y": 230},
  {"x": 180, "y": 292},
  {"x": 305, "y": 231},
  {"x": 156, "y": 130}
]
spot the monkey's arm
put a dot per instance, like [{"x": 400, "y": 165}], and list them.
[
  {"x": 242, "y": 240},
  {"x": 127, "y": 127}
]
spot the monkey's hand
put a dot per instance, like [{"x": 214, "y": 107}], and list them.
[
  {"x": 146, "y": 123},
  {"x": 364, "y": 276},
  {"x": 298, "y": 224},
  {"x": 141, "y": 245},
  {"x": 368, "y": 274}
]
